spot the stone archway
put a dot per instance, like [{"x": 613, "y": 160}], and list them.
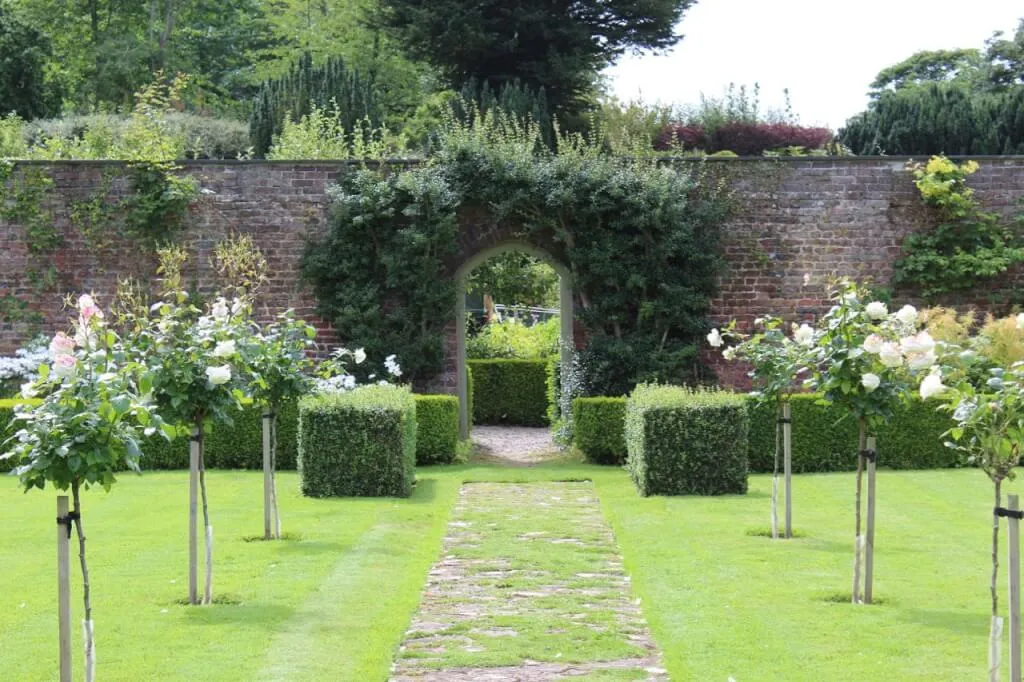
[{"x": 566, "y": 316}]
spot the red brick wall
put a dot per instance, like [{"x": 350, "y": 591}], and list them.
[{"x": 822, "y": 217}]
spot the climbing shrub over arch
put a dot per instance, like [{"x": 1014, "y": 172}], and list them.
[{"x": 639, "y": 237}]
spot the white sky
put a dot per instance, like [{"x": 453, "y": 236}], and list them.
[{"x": 826, "y": 52}]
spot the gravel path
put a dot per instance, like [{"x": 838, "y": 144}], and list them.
[
  {"x": 530, "y": 587},
  {"x": 515, "y": 445}
]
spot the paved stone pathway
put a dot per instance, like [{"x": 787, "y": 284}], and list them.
[
  {"x": 530, "y": 587},
  {"x": 514, "y": 445}
]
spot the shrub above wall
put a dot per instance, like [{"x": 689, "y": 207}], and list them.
[
  {"x": 358, "y": 443},
  {"x": 684, "y": 442},
  {"x": 510, "y": 392}
]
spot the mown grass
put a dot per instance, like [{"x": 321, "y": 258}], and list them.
[{"x": 334, "y": 603}]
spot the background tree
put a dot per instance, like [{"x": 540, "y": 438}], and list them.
[
  {"x": 558, "y": 46},
  {"x": 24, "y": 53}
]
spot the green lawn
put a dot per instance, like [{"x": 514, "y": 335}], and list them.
[{"x": 334, "y": 603}]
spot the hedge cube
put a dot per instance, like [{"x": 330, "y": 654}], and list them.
[
  {"x": 598, "y": 429},
  {"x": 437, "y": 423},
  {"x": 359, "y": 443},
  {"x": 684, "y": 442},
  {"x": 510, "y": 392}
]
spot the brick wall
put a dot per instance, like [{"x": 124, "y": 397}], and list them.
[{"x": 816, "y": 216}]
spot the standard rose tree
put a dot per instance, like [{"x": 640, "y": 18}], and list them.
[
  {"x": 96, "y": 409},
  {"x": 865, "y": 357},
  {"x": 199, "y": 379},
  {"x": 979, "y": 383},
  {"x": 778, "y": 364}
]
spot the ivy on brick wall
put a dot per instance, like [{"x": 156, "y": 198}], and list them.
[
  {"x": 639, "y": 238},
  {"x": 967, "y": 246}
]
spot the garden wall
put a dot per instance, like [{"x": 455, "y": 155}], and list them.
[{"x": 816, "y": 216}]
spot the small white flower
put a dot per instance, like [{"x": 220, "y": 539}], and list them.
[
  {"x": 219, "y": 375},
  {"x": 729, "y": 353},
  {"x": 876, "y": 310},
  {"x": 28, "y": 390},
  {"x": 359, "y": 356},
  {"x": 804, "y": 335},
  {"x": 890, "y": 355},
  {"x": 348, "y": 382},
  {"x": 224, "y": 349},
  {"x": 236, "y": 306},
  {"x": 715, "y": 338},
  {"x": 807, "y": 278},
  {"x": 907, "y": 315},
  {"x": 873, "y": 344},
  {"x": 220, "y": 310},
  {"x": 1020, "y": 320},
  {"x": 391, "y": 364},
  {"x": 870, "y": 381},
  {"x": 932, "y": 386}
]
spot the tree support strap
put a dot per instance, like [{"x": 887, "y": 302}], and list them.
[
  {"x": 1009, "y": 513},
  {"x": 870, "y": 455},
  {"x": 68, "y": 520}
]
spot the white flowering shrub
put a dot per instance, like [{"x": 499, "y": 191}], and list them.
[
  {"x": 23, "y": 366},
  {"x": 333, "y": 375}
]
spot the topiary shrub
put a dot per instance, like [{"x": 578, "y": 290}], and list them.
[
  {"x": 681, "y": 441},
  {"x": 360, "y": 443},
  {"x": 598, "y": 433},
  {"x": 825, "y": 438},
  {"x": 437, "y": 428},
  {"x": 510, "y": 392},
  {"x": 8, "y": 427}
]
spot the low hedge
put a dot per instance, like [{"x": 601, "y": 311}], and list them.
[
  {"x": 359, "y": 443},
  {"x": 825, "y": 438},
  {"x": 683, "y": 442},
  {"x": 8, "y": 427},
  {"x": 599, "y": 425},
  {"x": 510, "y": 392},
  {"x": 437, "y": 422}
]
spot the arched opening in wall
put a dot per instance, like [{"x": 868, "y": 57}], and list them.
[{"x": 513, "y": 301}]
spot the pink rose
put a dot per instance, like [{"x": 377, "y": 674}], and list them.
[
  {"x": 64, "y": 365},
  {"x": 62, "y": 344},
  {"x": 87, "y": 308}
]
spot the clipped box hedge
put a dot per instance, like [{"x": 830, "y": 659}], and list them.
[
  {"x": 683, "y": 442},
  {"x": 510, "y": 392},
  {"x": 8, "y": 427},
  {"x": 825, "y": 438},
  {"x": 437, "y": 435},
  {"x": 359, "y": 443},
  {"x": 599, "y": 425}
]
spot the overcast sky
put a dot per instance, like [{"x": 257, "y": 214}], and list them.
[{"x": 826, "y": 52}]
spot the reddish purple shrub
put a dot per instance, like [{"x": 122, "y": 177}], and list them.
[{"x": 744, "y": 139}]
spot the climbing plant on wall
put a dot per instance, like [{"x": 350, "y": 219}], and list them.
[{"x": 640, "y": 239}]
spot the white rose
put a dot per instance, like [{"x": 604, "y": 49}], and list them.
[
  {"x": 918, "y": 361},
  {"x": 219, "y": 375},
  {"x": 870, "y": 381},
  {"x": 874, "y": 343},
  {"x": 729, "y": 353},
  {"x": 220, "y": 310},
  {"x": 907, "y": 315},
  {"x": 715, "y": 338},
  {"x": 359, "y": 356},
  {"x": 876, "y": 310},
  {"x": 918, "y": 343},
  {"x": 28, "y": 390},
  {"x": 224, "y": 349},
  {"x": 804, "y": 335},
  {"x": 890, "y": 355},
  {"x": 932, "y": 386}
]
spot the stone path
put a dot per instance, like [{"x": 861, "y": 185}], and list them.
[
  {"x": 514, "y": 445},
  {"x": 530, "y": 587}
]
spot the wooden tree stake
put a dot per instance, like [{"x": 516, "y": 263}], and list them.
[
  {"x": 64, "y": 587},
  {"x": 995, "y": 639},
  {"x": 787, "y": 463},
  {"x": 267, "y": 477},
  {"x": 869, "y": 541},
  {"x": 858, "y": 539},
  {"x": 1013, "y": 536},
  {"x": 193, "y": 514}
]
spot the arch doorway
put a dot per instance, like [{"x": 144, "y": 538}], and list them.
[{"x": 566, "y": 317}]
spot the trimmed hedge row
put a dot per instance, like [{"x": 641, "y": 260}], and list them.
[
  {"x": 824, "y": 438},
  {"x": 510, "y": 392},
  {"x": 599, "y": 429},
  {"x": 8, "y": 428},
  {"x": 359, "y": 443},
  {"x": 240, "y": 445},
  {"x": 437, "y": 436},
  {"x": 684, "y": 442}
]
